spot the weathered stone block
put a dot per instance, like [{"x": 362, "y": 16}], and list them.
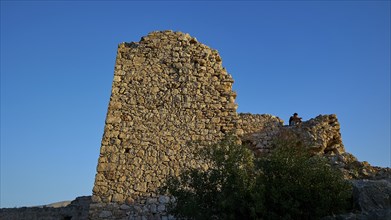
[{"x": 105, "y": 214}]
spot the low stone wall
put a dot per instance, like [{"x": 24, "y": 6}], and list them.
[
  {"x": 77, "y": 210},
  {"x": 144, "y": 208}
]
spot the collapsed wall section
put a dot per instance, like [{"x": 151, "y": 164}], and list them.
[
  {"x": 168, "y": 89},
  {"x": 259, "y": 130},
  {"x": 320, "y": 134}
]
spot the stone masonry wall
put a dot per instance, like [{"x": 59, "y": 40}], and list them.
[
  {"x": 253, "y": 123},
  {"x": 259, "y": 130},
  {"x": 168, "y": 89}
]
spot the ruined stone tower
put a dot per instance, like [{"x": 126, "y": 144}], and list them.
[{"x": 168, "y": 89}]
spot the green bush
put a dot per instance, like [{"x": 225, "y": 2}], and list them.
[
  {"x": 287, "y": 184},
  {"x": 227, "y": 190},
  {"x": 300, "y": 185}
]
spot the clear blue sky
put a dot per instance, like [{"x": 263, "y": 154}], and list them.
[{"x": 57, "y": 63}]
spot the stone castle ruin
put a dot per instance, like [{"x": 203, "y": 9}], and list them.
[{"x": 169, "y": 90}]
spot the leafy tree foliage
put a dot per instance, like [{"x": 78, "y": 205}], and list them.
[
  {"x": 301, "y": 185},
  {"x": 290, "y": 183},
  {"x": 227, "y": 190}
]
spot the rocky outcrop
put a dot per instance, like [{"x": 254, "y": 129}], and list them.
[
  {"x": 371, "y": 201},
  {"x": 370, "y": 195},
  {"x": 76, "y": 210},
  {"x": 354, "y": 169}
]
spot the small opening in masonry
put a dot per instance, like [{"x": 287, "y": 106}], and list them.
[{"x": 127, "y": 150}]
